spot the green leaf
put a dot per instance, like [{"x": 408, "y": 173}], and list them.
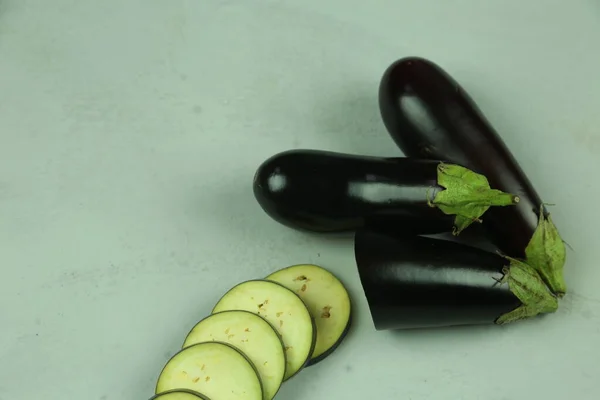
[
  {"x": 527, "y": 285},
  {"x": 546, "y": 253},
  {"x": 467, "y": 195}
]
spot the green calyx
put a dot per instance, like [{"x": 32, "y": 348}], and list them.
[
  {"x": 527, "y": 285},
  {"x": 546, "y": 253},
  {"x": 537, "y": 281},
  {"x": 467, "y": 195}
]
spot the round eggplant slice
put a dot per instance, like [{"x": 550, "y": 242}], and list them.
[
  {"x": 216, "y": 369},
  {"x": 180, "y": 395},
  {"x": 327, "y": 300},
  {"x": 418, "y": 282},
  {"x": 250, "y": 334},
  {"x": 284, "y": 310}
]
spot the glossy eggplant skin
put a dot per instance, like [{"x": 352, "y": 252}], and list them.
[
  {"x": 420, "y": 282},
  {"x": 429, "y": 115},
  {"x": 328, "y": 192}
]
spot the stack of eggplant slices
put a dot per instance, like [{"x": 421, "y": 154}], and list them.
[
  {"x": 452, "y": 234},
  {"x": 259, "y": 334}
]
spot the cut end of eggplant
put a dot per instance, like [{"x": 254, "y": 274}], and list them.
[
  {"x": 284, "y": 310},
  {"x": 180, "y": 394},
  {"x": 418, "y": 282},
  {"x": 253, "y": 336},
  {"x": 216, "y": 369},
  {"x": 327, "y": 300}
]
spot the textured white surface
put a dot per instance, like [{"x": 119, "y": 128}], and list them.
[{"x": 129, "y": 135}]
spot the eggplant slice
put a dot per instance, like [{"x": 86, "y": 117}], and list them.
[
  {"x": 179, "y": 395},
  {"x": 218, "y": 370},
  {"x": 253, "y": 336},
  {"x": 284, "y": 310},
  {"x": 419, "y": 282},
  {"x": 327, "y": 300}
]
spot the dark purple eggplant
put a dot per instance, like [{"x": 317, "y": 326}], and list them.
[
  {"x": 419, "y": 282},
  {"x": 323, "y": 191},
  {"x": 429, "y": 115}
]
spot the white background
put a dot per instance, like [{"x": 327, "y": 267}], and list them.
[{"x": 130, "y": 131}]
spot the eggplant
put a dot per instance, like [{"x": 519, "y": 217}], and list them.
[
  {"x": 429, "y": 115},
  {"x": 324, "y": 191},
  {"x": 420, "y": 282}
]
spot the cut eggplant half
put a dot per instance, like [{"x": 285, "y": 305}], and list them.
[
  {"x": 180, "y": 395},
  {"x": 218, "y": 370},
  {"x": 418, "y": 282},
  {"x": 284, "y": 310},
  {"x": 253, "y": 336},
  {"x": 327, "y": 300}
]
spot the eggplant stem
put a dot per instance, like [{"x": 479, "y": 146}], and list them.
[
  {"x": 466, "y": 194},
  {"x": 528, "y": 286},
  {"x": 546, "y": 253}
]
